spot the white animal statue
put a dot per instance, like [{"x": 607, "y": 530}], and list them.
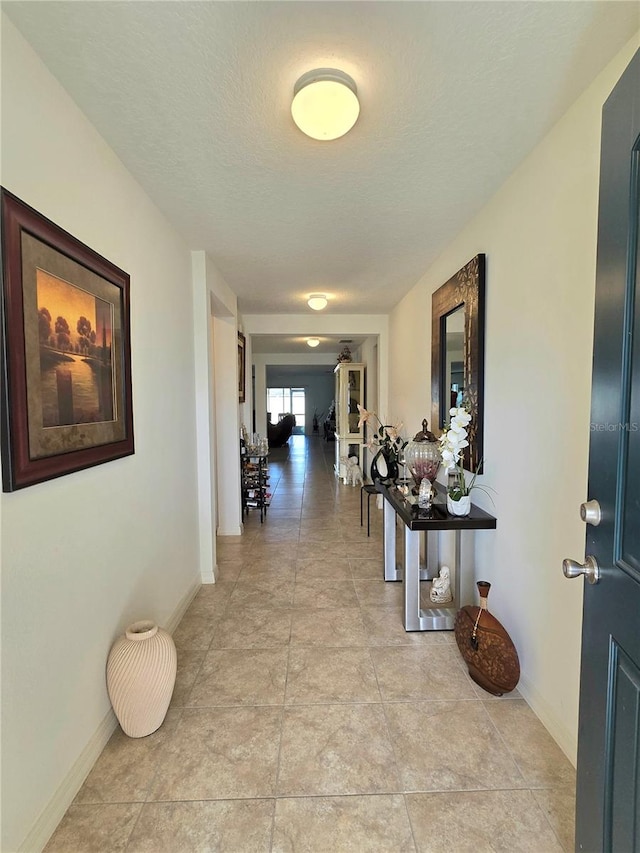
[
  {"x": 441, "y": 587},
  {"x": 353, "y": 471}
]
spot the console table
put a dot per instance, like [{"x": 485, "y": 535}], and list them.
[{"x": 416, "y": 522}]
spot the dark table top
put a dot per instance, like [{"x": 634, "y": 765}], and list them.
[{"x": 437, "y": 518}]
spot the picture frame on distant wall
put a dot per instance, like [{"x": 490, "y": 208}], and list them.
[
  {"x": 65, "y": 352},
  {"x": 241, "y": 367}
]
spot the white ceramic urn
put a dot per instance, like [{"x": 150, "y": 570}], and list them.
[{"x": 141, "y": 674}]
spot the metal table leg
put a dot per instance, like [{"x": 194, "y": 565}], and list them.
[
  {"x": 391, "y": 572},
  {"x": 430, "y": 618}
]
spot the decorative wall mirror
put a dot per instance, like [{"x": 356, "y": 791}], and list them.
[{"x": 457, "y": 352}]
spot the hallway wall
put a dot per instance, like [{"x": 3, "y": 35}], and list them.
[
  {"x": 87, "y": 554},
  {"x": 539, "y": 236}
]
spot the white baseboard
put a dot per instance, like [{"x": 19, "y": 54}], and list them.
[
  {"x": 231, "y": 531},
  {"x": 54, "y": 811},
  {"x": 566, "y": 740},
  {"x": 182, "y": 607}
]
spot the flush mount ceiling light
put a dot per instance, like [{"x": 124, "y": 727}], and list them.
[
  {"x": 312, "y": 342},
  {"x": 325, "y": 103},
  {"x": 317, "y": 301}
]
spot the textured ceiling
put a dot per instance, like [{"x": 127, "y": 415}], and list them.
[{"x": 194, "y": 97}]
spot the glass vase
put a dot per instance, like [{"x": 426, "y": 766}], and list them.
[{"x": 423, "y": 459}]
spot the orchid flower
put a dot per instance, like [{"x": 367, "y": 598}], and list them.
[
  {"x": 393, "y": 431},
  {"x": 386, "y": 437},
  {"x": 452, "y": 442},
  {"x": 364, "y": 415}
]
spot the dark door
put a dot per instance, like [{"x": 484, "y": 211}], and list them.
[{"x": 608, "y": 791}]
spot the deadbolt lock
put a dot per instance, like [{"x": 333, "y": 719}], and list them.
[{"x": 591, "y": 513}]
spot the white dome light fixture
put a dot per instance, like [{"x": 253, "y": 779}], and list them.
[
  {"x": 312, "y": 342},
  {"x": 317, "y": 301},
  {"x": 325, "y": 103}
]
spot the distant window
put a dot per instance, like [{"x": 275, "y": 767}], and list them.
[{"x": 285, "y": 401}]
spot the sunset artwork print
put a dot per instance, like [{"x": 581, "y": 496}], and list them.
[
  {"x": 66, "y": 401},
  {"x": 75, "y": 331}
]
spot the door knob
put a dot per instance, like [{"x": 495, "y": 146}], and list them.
[
  {"x": 590, "y": 569},
  {"x": 591, "y": 513}
]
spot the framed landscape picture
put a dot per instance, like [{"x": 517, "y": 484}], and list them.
[{"x": 66, "y": 363}]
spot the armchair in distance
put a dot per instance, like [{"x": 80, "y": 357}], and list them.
[{"x": 278, "y": 434}]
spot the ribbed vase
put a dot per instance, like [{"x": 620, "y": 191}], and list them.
[{"x": 141, "y": 674}]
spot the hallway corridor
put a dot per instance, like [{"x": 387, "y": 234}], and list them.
[{"x": 305, "y": 718}]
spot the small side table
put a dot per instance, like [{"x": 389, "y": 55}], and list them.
[
  {"x": 440, "y": 618},
  {"x": 368, "y": 489}
]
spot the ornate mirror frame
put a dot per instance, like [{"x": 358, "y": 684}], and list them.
[{"x": 466, "y": 288}]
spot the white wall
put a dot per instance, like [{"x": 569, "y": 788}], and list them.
[
  {"x": 539, "y": 235},
  {"x": 217, "y": 418},
  {"x": 216, "y": 383},
  {"x": 86, "y": 554},
  {"x": 225, "y": 349}
]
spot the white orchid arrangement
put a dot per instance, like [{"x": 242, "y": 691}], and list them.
[
  {"x": 386, "y": 437},
  {"x": 452, "y": 443}
]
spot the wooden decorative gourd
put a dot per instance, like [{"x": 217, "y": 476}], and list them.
[{"x": 486, "y": 647}]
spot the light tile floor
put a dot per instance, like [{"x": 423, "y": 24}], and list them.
[{"x": 306, "y": 719}]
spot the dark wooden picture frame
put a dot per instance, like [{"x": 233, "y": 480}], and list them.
[
  {"x": 66, "y": 401},
  {"x": 241, "y": 367},
  {"x": 464, "y": 289}
]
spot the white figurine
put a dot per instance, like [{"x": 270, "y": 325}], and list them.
[
  {"x": 353, "y": 473},
  {"x": 441, "y": 587}
]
